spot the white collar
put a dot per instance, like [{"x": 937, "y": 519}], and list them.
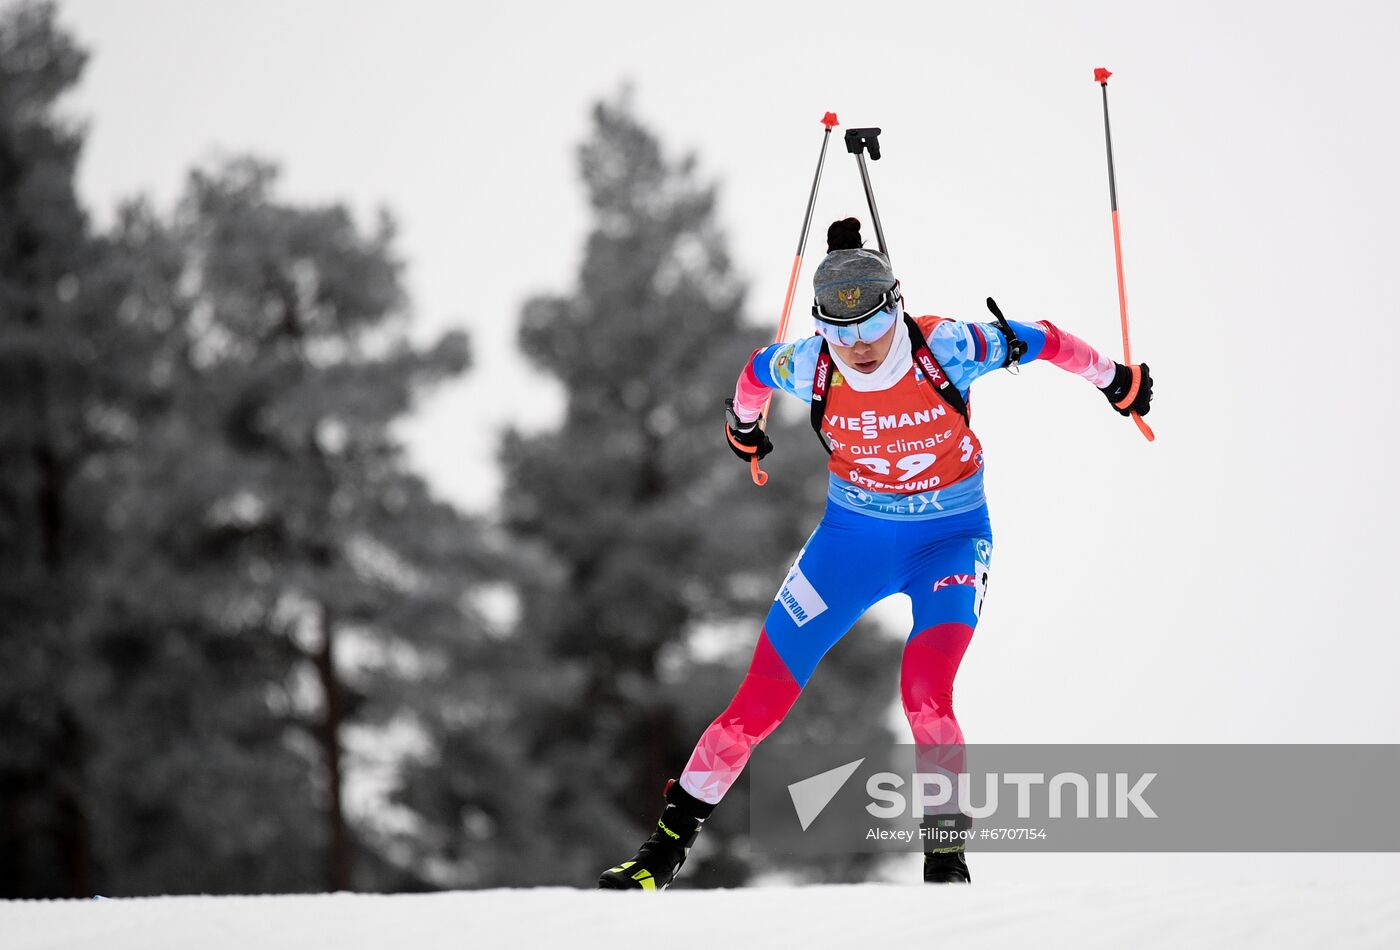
[{"x": 898, "y": 361}]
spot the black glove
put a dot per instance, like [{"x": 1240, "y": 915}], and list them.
[
  {"x": 1131, "y": 389},
  {"x": 746, "y": 440}
]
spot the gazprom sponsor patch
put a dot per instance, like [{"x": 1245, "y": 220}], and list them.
[{"x": 799, "y": 598}]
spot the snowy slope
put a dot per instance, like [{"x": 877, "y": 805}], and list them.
[{"x": 869, "y": 915}]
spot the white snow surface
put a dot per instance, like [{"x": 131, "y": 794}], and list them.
[{"x": 1117, "y": 915}]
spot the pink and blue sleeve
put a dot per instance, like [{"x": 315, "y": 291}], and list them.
[
  {"x": 785, "y": 366},
  {"x": 969, "y": 350}
]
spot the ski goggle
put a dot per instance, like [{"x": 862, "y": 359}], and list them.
[{"x": 869, "y": 327}]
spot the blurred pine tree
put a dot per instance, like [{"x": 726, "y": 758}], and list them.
[
  {"x": 288, "y": 582},
  {"x": 221, "y": 585},
  {"x": 55, "y": 410},
  {"x": 655, "y": 556}
]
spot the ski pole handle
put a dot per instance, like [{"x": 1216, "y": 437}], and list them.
[{"x": 858, "y": 142}]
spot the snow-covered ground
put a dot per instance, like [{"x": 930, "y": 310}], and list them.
[{"x": 1126, "y": 914}]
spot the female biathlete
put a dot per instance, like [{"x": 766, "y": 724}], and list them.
[{"x": 905, "y": 514}]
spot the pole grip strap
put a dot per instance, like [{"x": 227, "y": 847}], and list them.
[{"x": 1127, "y": 400}]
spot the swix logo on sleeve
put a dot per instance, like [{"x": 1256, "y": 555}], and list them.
[
  {"x": 822, "y": 368},
  {"x": 799, "y": 598},
  {"x": 930, "y": 368}
]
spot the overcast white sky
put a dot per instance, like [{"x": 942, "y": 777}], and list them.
[{"x": 1232, "y": 582}]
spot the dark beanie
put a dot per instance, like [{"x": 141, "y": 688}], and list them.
[{"x": 850, "y": 278}]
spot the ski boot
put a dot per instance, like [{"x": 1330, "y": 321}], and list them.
[
  {"x": 662, "y": 855},
  {"x": 944, "y": 842}
]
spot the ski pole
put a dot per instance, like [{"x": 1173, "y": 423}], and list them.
[
  {"x": 1101, "y": 77},
  {"x": 760, "y": 477},
  {"x": 857, "y": 142}
]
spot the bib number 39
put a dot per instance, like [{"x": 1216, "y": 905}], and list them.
[{"x": 909, "y": 466}]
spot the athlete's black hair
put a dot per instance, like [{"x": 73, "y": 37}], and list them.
[{"x": 843, "y": 235}]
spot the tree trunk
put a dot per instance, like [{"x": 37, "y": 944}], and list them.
[
  {"x": 73, "y": 820},
  {"x": 340, "y": 857},
  {"x": 74, "y": 843},
  {"x": 49, "y": 500}
]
